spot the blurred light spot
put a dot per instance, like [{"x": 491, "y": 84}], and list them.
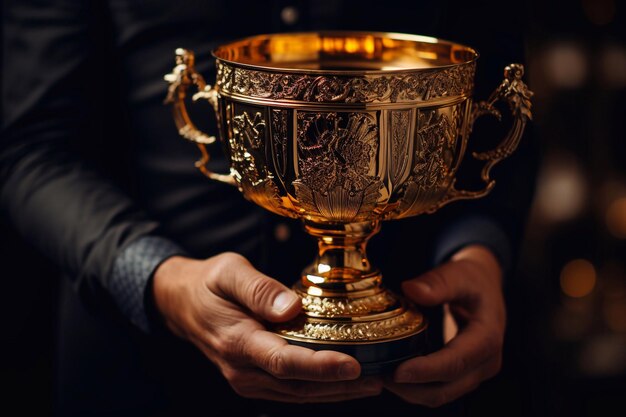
[
  {"x": 561, "y": 191},
  {"x": 578, "y": 277},
  {"x": 604, "y": 355},
  {"x": 615, "y": 315},
  {"x": 323, "y": 268},
  {"x": 616, "y": 218},
  {"x": 282, "y": 232},
  {"x": 289, "y": 15},
  {"x": 599, "y": 12},
  {"x": 565, "y": 65},
  {"x": 613, "y": 66}
]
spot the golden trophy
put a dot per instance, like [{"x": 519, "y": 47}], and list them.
[{"x": 343, "y": 130}]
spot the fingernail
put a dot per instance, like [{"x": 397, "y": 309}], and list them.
[
  {"x": 348, "y": 370},
  {"x": 283, "y": 301}
]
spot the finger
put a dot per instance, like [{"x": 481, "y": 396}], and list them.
[
  {"x": 437, "y": 394},
  {"x": 275, "y": 356},
  {"x": 471, "y": 348},
  {"x": 252, "y": 379},
  {"x": 237, "y": 280},
  {"x": 445, "y": 283}
]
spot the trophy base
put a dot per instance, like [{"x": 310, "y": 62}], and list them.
[
  {"x": 346, "y": 308},
  {"x": 376, "y": 358},
  {"x": 378, "y": 340}
]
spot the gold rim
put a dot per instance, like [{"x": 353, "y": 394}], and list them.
[{"x": 405, "y": 53}]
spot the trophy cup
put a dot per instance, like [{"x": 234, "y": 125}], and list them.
[{"x": 344, "y": 130}]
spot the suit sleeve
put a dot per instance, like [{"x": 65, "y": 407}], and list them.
[{"x": 48, "y": 191}]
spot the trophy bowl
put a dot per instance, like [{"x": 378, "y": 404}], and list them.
[{"x": 344, "y": 130}]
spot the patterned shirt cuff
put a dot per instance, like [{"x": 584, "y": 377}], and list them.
[
  {"x": 474, "y": 230},
  {"x": 132, "y": 271}
]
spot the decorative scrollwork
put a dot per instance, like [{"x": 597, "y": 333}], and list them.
[
  {"x": 373, "y": 88},
  {"x": 279, "y": 140}
]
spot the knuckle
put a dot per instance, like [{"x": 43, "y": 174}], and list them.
[
  {"x": 222, "y": 263},
  {"x": 276, "y": 364},
  {"x": 228, "y": 346},
  {"x": 260, "y": 290},
  {"x": 228, "y": 257}
]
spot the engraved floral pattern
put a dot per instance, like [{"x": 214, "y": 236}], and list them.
[
  {"x": 334, "y": 160},
  {"x": 430, "y": 167},
  {"x": 247, "y": 132},
  {"x": 398, "y": 326}
]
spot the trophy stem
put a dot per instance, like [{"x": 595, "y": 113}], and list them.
[
  {"x": 341, "y": 264},
  {"x": 345, "y": 306}
]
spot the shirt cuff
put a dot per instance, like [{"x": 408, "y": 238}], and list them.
[
  {"x": 473, "y": 230},
  {"x": 132, "y": 270}
]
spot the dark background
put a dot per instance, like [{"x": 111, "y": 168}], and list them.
[{"x": 566, "y": 344}]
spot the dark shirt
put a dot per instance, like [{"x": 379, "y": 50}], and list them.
[{"x": 91, "y": 163}]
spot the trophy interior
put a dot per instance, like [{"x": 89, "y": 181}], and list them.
[{"x": 340, "y": 52}]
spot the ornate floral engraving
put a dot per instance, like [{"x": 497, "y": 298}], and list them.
[
  {"x": 334, "y": 160},
  {"x": 404, "y": 324},
  {"x": 247, "y": 133},
  {"x": 257, "y": 183},
  {"x": 420, "y": 85}
]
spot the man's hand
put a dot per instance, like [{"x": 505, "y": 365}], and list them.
[
  {"x": 217, "y": 304},
  {"x": 470, "y": 286}
]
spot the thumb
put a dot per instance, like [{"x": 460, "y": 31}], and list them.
[
  {"x": 237, "y": 280},
  {"x": 447, "y": 282}
]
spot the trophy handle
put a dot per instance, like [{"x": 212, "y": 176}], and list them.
[
  {"x": 515, "y": 92},
  {"x": 182, "y": 76}
]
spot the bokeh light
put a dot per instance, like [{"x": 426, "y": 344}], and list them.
[
  {"x": 565, "y": 65},
  {"x": 613, "y": 66},
  {"x": 561, "y": 190},
  {"x": 615, "y": 315},
  {"x": 616, "y": 218},
  {"x": 578, "y": 278}
]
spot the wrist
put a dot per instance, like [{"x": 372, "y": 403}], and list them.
[{"x": 167, "y": 287}]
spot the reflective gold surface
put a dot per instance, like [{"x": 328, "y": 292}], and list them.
[{"x": 342, "y": 131}]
